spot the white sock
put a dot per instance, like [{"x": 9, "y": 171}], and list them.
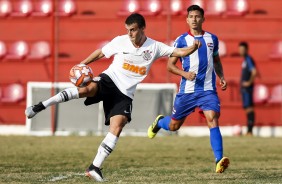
[
  {"x": 105, "y": 149},
  {"x": 63, "y": 96}
]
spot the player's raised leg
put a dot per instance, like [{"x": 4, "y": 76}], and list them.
[
  {"x": 164, "y": 122},
  {"x": 107, "y": 146},
  {"x": 63, "y": 96},
  {"x": 216, "y": 141}
]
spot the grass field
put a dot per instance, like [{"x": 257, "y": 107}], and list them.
[{"x": 139, "y": 160}]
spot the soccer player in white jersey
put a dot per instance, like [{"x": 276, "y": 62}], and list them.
[
  {"x": 198, "y": 84},
  {"x": 134, "y": 54}
]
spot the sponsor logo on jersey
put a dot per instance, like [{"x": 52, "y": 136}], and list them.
[
  {"x": 147, "y": 55},
  {"x": 135, "y": 69}
]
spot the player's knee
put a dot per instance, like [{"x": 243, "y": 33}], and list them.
[
  {"x": 174, "y": 127},
  {"x": 88, "y": 91}
]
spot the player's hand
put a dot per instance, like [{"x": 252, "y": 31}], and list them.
[
  {"x": 246, "y": 84},
  {"x": 223, "y": 84},
  {"x": 190, "y": 75},
  {"x": 197, "y": 43}
]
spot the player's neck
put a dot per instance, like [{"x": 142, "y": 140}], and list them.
[
  {"x": 196, "y": 32},
  {"x": 141, "y": 42}
]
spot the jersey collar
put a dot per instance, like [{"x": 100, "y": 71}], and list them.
[{"x": 189, "y": 32}]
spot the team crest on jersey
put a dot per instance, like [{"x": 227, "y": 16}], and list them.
[
  {"x": 147, "y": 55},
  {"x": 210, "y": 45}
]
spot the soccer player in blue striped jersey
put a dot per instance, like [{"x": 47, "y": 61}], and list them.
[{"x": 198, "y": 84}]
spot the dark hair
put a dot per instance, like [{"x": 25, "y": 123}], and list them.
[
  {"x": 195, "y": 7},
  {"x": 244, "y": 44},
  {"x": 136, "y": 18}
]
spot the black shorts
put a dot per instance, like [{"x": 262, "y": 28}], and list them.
[
  {"x": 114, "y": 101},
  {"x": 247, "y": 97}
]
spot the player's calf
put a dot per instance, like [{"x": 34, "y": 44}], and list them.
[{"x": 63, "y": 96}]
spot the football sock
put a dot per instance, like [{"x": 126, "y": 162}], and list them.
[
  {"x": 251, "y": 121},
  {"x": 63, "y": 96},
  {"x": 164, "y": 123},
  {"x": 216, "y": 143},
  {"x": 105, "y": 149}
]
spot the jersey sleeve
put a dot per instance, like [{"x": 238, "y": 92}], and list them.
[
  {"x": 164, "y": 50},
  {"x": 178, "y": 43},
  {"x": 111, "y": 48},
  {"x": 250, "y": 63},
  {"x": 216, "y": 47}
]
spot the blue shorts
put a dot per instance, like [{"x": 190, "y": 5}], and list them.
[
  {"x": 186, "y": 103},
  {"x": 247, "y": 97}
]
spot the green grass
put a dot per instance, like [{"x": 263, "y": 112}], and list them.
[{"x": 169, "y": 159}]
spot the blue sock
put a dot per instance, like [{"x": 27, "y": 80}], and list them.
[
  {"x": 164, "y": 123},
  {"x": 216, "y": 143}
]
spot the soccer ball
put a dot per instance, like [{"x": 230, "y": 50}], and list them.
[{"x": 81, "y": 75}]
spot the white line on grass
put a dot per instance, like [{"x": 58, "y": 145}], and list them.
[{"x": 62, "y": 177}]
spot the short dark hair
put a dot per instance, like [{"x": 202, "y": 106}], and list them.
[
  {"x": 195, "y": 7},
  {"x": 136, "y": 18},
  {"x": 244, "y": 44}
]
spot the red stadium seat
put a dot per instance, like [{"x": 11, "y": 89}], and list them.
[
  {"x": 128, "y": 7},
  {"x": 12, "y": 93},
  {"x": 151, "y": 7},
  {"x": 176, "y": 8},
  {"x": 17, "y": 50},
  {"x": 39, "y": 50},
  {"x": 22, "y": 8},
  {"x": 276, "y": 52},
  {"x": 5, "y": 8},
  {"x": 238, "y": 8},
  {"x": 215, "y": 7},
  {"x": 66, "y": 8},
  {"x": 261, "y": 94},
  {"x": 222, "y": 48},
  {"x": 276, "y": 94},
  {"x": 42, "y": 8},
  {"x": 188, "y": 3},
  {"x": 3, "y": 50}
]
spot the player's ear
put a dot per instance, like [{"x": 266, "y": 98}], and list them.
[{"x": 204, "y": 19}]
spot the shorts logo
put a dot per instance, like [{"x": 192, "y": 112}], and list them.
[
  {"x": 135, "y": 69},
  {"x": 147, "y": 55}
]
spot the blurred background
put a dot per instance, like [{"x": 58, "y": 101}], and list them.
[{"x": 40, "y": 40}]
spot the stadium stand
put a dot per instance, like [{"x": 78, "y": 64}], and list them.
[
  {"x": 129, "y": 7},
  {"x": 151, "y": 7},
  {"x": 39, "y": 50},
  {"x": 276, "y": 95},
  {"x": 22, "y": 8},
  {"x": 175, "y": 8},
  {"x": 42, "y": 8},
  {"x": 222, "y": 48},
  {"x": 215, "y": 8},
  {"x": 238, "y": 8},
  {"x": 261, "y": 94},
  {"x": 67, "y": 8},
  {"x": 17, "y": 50},
  {"x": 276, "y": 52},
  {"x": 3, "y": 49},
  {"x": 12, "y": 93},
  {"x": 5, "y": 8}
]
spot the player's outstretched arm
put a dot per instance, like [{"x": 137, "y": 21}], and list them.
[
  {"x": 97, "y": 54},
  {"x": 219, "y": 71},
  {"x": 182, "y": 52},
  {"x": 171, "y": 67}
]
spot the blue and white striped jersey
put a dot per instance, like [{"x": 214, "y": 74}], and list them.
[{"x": 200, "y": 62}]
